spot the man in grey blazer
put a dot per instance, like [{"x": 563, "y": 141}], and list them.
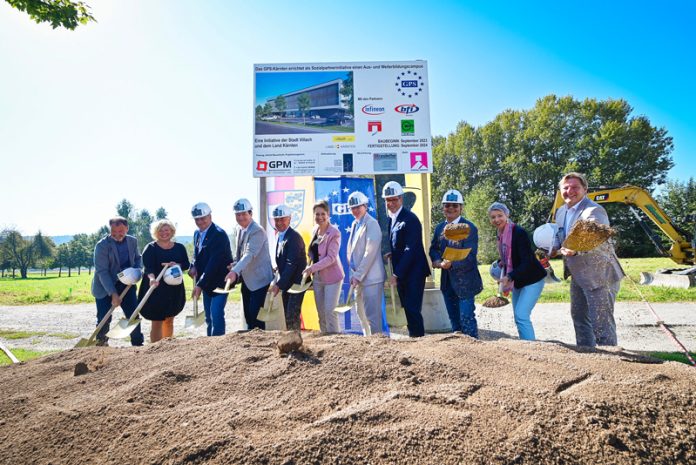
[
  {"x": 596, "y": 274},
  {"x": 113, "y": 254},
  {"x": 252, "y": 263},
  {"x": 366, "y": 267}
]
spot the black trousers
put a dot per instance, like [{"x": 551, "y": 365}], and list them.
[
  {"x": 252, "y": 301},
  {"x": 292, "y": 303},
  {"x": 411, "y": 291}
]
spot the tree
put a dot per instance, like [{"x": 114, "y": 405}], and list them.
[
  {"x": 19, "y": 250},
  {"x": 303, "y": 103},
  {"x": 475, "y": 209},
  {"x": 6, "y": 262},
  {"x": 347, "y": 92},
  {"x": 267, "y": 109},
  {"x": 139, "y": 221},
  {"x": 678, "y": 200},
  {"x": 44, "y": 250},
  {"x": 125, "y": 209},
  {"x": 280, "y": 104},
  {"x": 524, "y": 153},
  {"x": 65, "y": 13},
  {"x": 259, "y": 112}
]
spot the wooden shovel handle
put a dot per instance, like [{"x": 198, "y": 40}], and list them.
[{"x": 140, "y": 306}]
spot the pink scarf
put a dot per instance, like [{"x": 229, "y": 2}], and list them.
[{"x": 505, "y": 251}]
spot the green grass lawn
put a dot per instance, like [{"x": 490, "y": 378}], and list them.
[
  {"x": 632, "y": 266},
  {"x": 51, "y": 289},
  {"x": 76, "y": 289},
  {"x": 22, "y": 354},
  {"x": 674, "y": 356}
]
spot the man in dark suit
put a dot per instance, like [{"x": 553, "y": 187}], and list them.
[
  {"x": 410, "y": 265},
  {"x": 113, "y": 254},
  {"x": 211, "y": 255},
  {"x": 291, "y": 260}
]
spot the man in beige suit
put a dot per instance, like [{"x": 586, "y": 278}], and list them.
[
  {"x": 595, "y": 275},
  {"x": 366, "y": 268}
]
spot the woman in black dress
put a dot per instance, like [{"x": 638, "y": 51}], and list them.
[{"x": 167, "y": 301}]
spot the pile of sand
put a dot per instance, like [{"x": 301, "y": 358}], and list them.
[{"x": 444, "y": 399}]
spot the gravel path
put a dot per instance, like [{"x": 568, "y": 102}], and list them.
[{"x": 636, "y": 325}]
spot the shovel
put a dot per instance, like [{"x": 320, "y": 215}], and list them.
[
  {"x": 227, "y": 289},
  {"x": 124, "y": 327},
  {"x": 347, "y": 306},
  {"x": 303, "y": 286},
  {"x": 266, "y": 313},
  {"x": 497, "y": 300},
  {"x": 397, "y": 317},
  {"x": 195, "y": 320},
  {"x": 7, "y": 351},
  {"x": 93, "y": 338}
]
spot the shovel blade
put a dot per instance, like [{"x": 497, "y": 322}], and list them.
[
  {"x": 86, "y": 343},
  {"x": 193, "y": 321},
  {"x": 343, "y": 309},
  {"x": 299, "y": 288},
  {"x": 221, "y": 290},
  {"x": 123, "y": 328}
]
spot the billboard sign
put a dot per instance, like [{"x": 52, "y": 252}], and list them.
[{"x": 332, "y": 119}]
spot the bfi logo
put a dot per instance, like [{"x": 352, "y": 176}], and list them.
[{"x": 374, "y": 127}]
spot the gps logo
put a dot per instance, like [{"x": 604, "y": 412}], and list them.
[
  {"x": 340, "y": 209},
  {"x": 406, "y": 109}
]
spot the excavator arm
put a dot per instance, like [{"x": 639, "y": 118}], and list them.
[{"x": 681, "y": 252}]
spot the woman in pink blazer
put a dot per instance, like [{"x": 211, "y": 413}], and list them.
[{"x": 325, "y": 268}]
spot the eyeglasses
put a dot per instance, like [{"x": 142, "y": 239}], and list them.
[{"x": 450, "y": 205}]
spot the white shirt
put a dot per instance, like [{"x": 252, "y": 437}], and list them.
[
  {"x": 201, "y": 237},
  {"x": 570, "y": 218}
]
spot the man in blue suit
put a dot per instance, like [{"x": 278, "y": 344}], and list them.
[
  {"x": 410, "y": 265},
  {"x": 460, "y": 280},
  {"x": 291, "y": 260},
  {"x": 211, "y": 255}
]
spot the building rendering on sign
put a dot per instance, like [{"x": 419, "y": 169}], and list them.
[{"x": 325, "y": 101}]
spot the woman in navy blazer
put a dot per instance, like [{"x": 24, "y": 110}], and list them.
[{"x": 522, "y": 272}]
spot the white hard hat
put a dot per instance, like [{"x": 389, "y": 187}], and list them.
[
  {"x": 242, "y": 205},
  {"x": 130, "y": 276},
  {"x": 494, "y": 270},
  {"x": 200, "y": 210},
  {"x": 356, "y": 199},
  {"x": 545, "y": 235},
  {"x": 453, "y": 196},
  {"x": 392, "y": 189},
  {"x": 174, "y": 276},
  {"x": 281, "y": 211}
]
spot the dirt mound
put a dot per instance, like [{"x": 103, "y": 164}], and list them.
[{"x": 444, "y": 399}]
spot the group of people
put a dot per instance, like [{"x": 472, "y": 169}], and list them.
[{"x": 595, "y": 274}]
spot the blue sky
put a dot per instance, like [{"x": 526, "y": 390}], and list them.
[{"x": 154, "y": 102}]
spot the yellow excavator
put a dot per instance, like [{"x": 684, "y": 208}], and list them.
[{"x": 683, "y": 246}]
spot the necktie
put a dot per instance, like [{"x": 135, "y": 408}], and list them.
[{"x": 240, "y": 238}]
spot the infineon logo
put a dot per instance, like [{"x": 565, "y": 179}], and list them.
[
  {"x": 406, "y": 109},
  {"x": 372, "y": 110}
]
